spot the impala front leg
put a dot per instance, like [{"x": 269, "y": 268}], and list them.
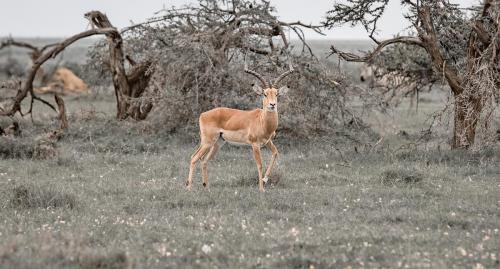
[
  {"x": 274, "y": 152},
  {"x": 258, "y": 160}
]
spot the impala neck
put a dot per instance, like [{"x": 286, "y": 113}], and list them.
[{"x": 269, "y": 120}]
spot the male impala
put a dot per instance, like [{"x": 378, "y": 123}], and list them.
[{"x": 255, "y": 127}]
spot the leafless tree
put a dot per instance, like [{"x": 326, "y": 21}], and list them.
[
  {"x": 27, "y": 87},
  {"x": 462, "y": 46},
  {"x": 128, "y": 86}
]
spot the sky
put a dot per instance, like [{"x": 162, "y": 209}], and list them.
[{"x": 62, "y": 18}]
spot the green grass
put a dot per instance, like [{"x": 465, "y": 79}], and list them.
[{"x": 114, "y": 197}]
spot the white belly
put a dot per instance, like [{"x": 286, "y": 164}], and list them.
[
  {"x": 237, "y": 143},
  {"x": 234, "y": 138},
  {"x": 239, "y": 138}
]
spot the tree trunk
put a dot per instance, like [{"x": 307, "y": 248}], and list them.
[
  {"x": 467, "y": 113},
  {"x": 130, "y": 87}
]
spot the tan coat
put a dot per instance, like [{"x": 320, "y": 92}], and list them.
[{"x": 64, "y": 81}]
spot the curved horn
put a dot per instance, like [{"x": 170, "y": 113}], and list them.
[
  {"x": 257, "y": 75},
  {"x": 282, "y": 76}
]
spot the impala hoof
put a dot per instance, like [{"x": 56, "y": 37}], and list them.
[{"x": 265, "y": 179}]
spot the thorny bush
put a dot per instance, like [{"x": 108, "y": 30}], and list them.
[{"x": 199, "y": 52}]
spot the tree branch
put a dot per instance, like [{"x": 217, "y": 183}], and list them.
[
  {"x": 430, "y": 41},
  {"x": 350, "y": 57},
  {"x": 11, "y": 42}
]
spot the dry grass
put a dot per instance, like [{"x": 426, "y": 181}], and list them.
[{"x": 114, "y": 197}]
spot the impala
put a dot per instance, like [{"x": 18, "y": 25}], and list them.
[{"x": 254, "y": 127}]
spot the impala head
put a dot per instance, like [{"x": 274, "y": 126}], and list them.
[{"x": 269, "y": 91}]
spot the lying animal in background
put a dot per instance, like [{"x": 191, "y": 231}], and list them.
[{"x": 64, "y": 81}]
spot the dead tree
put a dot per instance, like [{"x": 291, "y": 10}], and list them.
[
  {"x": 27, "y": 86},
  {"x": 129, "y": 87},
  {"x": 39, "y": 57},
  {"x": 463, "y": 50}
]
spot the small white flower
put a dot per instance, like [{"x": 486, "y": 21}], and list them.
[
  {"x": 294, "y": 231},
  {"x": 462, "y": 251},
  {"x": 206, "y": 249}
]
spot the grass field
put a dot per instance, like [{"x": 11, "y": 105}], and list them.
[{"x": 114, "y": 197}]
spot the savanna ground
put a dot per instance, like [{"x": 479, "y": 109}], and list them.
[{"x": 114, "y": 197}]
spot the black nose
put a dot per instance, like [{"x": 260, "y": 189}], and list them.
[{"x": 273, "y": 105}]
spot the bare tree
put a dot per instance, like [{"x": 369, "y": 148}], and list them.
[
  {"x": 26, "y": 88},
  {"x": 128, "y": 86},
  {"x": 463, "y": 49}
]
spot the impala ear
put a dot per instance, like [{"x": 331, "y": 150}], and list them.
[
  {"x": 257, "y": 89},
  {"x": 283, "y": 90}
]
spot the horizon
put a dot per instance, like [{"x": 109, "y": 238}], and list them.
[{"x": 98, "y": 37}]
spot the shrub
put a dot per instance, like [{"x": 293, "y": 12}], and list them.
[
  {"x": 400, "y": 177},
  {"x": 16, "y": 148},
  {"x": 199, "y": 66},
  {"x": 114, "y": 260},
  {"x": 30, "y": 196}
]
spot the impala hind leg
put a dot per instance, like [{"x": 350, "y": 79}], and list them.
[
  {"x": 204, "y": 167},
  {"x": 198, "y": 154},
  {"x": 274, "y": 152}
]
